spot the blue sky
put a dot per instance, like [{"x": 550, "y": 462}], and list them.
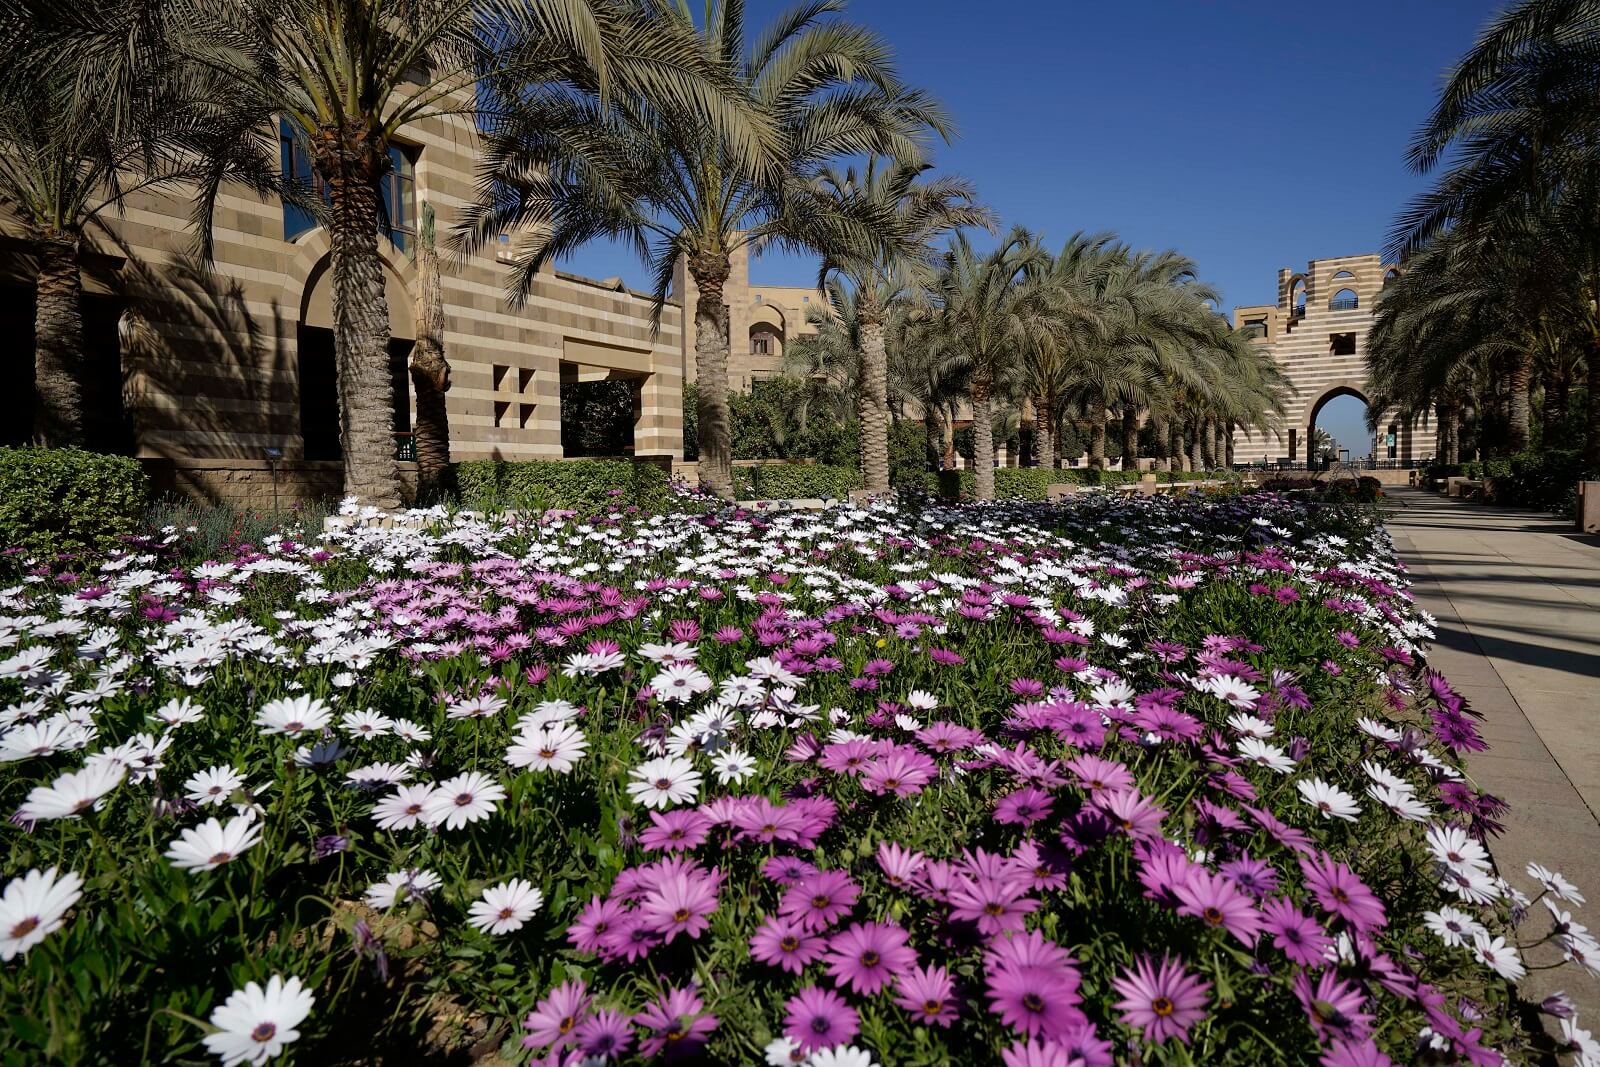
[{"x": 1248, "y": 135}]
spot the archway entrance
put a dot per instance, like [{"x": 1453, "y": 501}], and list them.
[{"x": 1336, "y": 430}]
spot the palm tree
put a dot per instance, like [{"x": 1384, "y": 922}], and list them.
[
  {"x": 982, "y": 311},
  {"x": 349, "y": 77},
  {"x": 81, "y": 130},
  {"x": 829, "y": 360},
  {"x": 657, "y": 175},
  {"x": 1519, "y": 119},
  {"x": 892, "y": 216},
  {"x": 430, "y": 370}
]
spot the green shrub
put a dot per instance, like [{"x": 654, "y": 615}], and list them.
[
  {"x": 908, "y": 455},
  {"x": 57, "y": 501},
  {"x": 794, "y": 481},
  {"x": 582, "y": 485},
  {"x": 1547, "y": 480},
  {"x": 691, "y": 422}
]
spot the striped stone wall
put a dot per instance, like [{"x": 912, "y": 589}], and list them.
[
  {"x": 1323, "y": 352},
  {"x": 210, "y": 353}
]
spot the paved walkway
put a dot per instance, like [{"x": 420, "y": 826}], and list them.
[{"x": 1517, "y": 596}]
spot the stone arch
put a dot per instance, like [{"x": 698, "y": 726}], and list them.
[
  {"x": 1342, "y": 275},
  {"x": 768, "y": 323},
  {"x": 308, "y": 290},
  {"x": 1332, "y": 391},
  {"x": 1344, "y": 300},
  {"x": 1298, "y": 292}
]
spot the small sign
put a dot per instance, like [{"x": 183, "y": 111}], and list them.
[{"x": 1388, "y": 439}]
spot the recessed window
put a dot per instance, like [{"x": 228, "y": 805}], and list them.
[
  {"x": 1255, "y": 327},
  {"x": 761, "y": 346},
  {"x": 398, "y": 188},
  {"x": 1344, "y": 300},
  {"x": 1342, "y": 344}
]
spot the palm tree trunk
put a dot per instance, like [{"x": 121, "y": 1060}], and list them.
[
  {"x": 58, "y": 345},
  {"x": 1227, "y": 445},
  {"x": 1591, "y": 448},
  {"x": 1130, "y": 437},
  {"x": 1160, "y": 436},
  {"x": 950, "y": 438},
  {"x": 360, "y": 321},
  {"x": 1519, "y": 411},
  {"x": 1206, "y": 446},
  {"x": 1097, "y": 441},
  {"x": 430, "y": 371},
  {"x": 933, "y": 435},
  {"x": 874, "y": 398},
  {"x": 710, "y": 272},
  {"x": 1196, "y": 448},
  {"x": 1178, "y": 457},
  {"x": 982, "y": 440},
  {"x": 1216, "y": 444},
  {"x": 1044, "y": 445},
  {"x": 1556, "y": 389}
]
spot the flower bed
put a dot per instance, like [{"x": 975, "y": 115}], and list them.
[{"x": 1148, "y": 779}]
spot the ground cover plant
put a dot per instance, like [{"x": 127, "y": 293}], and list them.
[{"x": 1153, "y": 780}]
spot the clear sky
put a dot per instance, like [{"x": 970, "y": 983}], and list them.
[{"x": 1248, "y": 135}]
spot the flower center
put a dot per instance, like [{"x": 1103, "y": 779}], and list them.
[
  {"x": 681, "y": 915},
  {"x": 1213, "y": 916},
  {"x": 1033, "y": 1002},
  {"x": 220, "y": 858},
  {"x": 263, "y": 1032},
  {"x": 25, "y": 927},
  {"x": 663, "y": 783},
  {"x": 1162, "y": 1006},
  {"x": 789, "y": 944},
  {"x": 463, "y": 799},
  {"x": 932, "y": 1007},
  {"x": 820, "y": 902},
  {"x": 870, "y": 958},
  {"x": 820, "y": 1024}
]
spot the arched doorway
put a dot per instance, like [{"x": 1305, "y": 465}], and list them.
[
  {"x": 1336, "y": 428},
  {"x": 319, "y": 392}
]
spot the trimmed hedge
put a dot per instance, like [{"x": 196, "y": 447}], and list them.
[
  {"x": 1032, "y": 483},
  {"x": 582, "y": 485},
  {"x": 63, "y": 501},
  {"x": 794, "y": 481}
]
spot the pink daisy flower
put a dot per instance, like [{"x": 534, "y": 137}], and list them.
[{"x": 1161, "y": 1001}]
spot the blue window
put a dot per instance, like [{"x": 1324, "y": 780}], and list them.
[{"x": 398, "y": 188}]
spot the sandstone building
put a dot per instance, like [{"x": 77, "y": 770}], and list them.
[
  {"x": 1317, "y": 332},
  {"x": 221, "y": 376}
]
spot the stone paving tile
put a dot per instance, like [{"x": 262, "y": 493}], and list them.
[{"x": 1519, "y": 637}]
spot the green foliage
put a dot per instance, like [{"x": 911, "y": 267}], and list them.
[
  {"x": 597, "y": 417},
  {"x": 1545, "y": 480},
  {"x": 691, "y": 422},
  {"x": 65, "y": 501},
  {"x": 581, "y": 485},
  {"x": 908, "y": 455},
  {"x": 794, "y": 481},
  {"x": 1032, "y": 483},
  {"x": 200, "y": 532}
]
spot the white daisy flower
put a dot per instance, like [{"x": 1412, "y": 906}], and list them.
[
  {"x": 403, "y": 808},
  {"x": 841, "y": 1056},
  {"x": 33, "y": 908},
  {"x": 366, "y": 724},
  {"x": 478, "y": 707},
  {"x": 1494, "y": 953},
  {"x": 1330, "y": 801},
  {"x": 73, "y": 793},
  {"x": 254, "y": 1025},
  {"x": 376, "y": 775},
  {"x": 1264, "y": 754},
  {"x": 505, "y": 907},
  {"x": 1403, "y": 803},
  {"x": 732, "y": 765},
  {"x": 293, "y": 715},
  {"x": 922, "y": 700},
  {"x": 680, "y": 682},
  {"x": 1250, "y": 726},
  {"x": 214, "y": 785},
  {"x": 1374, "y": 728},
  {"x": 466, "y": 798},
  {"x": 661, "y": 783},
  {"x": 1554, "y": 883},
  {"x": 1453, "y": 926},
  {"x": 211, "y": 844},
  {"x": 1452, "y": 847},
  {"x": 401, "y": 886},
  {"x": 556, "y": 748}
]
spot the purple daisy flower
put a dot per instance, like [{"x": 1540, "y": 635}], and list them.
[
  {"x": 995, "y": 904},
  {"x": 1334, "y": 1007},
  {"x": 866, "y": 956},
  {"x": 928, "y": 994},
  {"x": 1024, "y": 807},
  {"x": 1355, "y": 1054},
  {"x": 596, "y": 920},
  {"x": 675, "y": 1023},
  {"x": 781, "y": 943},
  {"x": 1161, "y": 1001},
  {"x": 1295, "y": 933},
  {"x": 1341, "y": 893},
  {"x": 684, "y": 828},
  {"x": 817, "y": 1018},
  {"x": 552, "y": 1020},
  {"x": 680, "y": 904},
  {"x": 1214, "y": 900},
  {"x": 606, "y": 1033},
  {"x": 820, "y": 900},
  {"x": 787, "y": 870},
  {"x": 1038, "y": 1000}
]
